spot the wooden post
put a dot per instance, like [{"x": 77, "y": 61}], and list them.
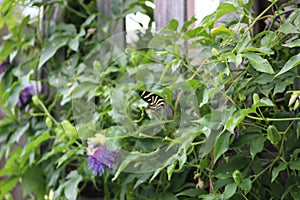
[
  {"x": 258, "y": 7},
  {"x": 190, "y": 11},
  {"x": 105, "y": 11},
  {"x": 165, "y": 10}
]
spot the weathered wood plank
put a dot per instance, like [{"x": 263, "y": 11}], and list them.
[
  {"x": 105, "y": 15},
  {"x": 190, "y": 11},
  {"x": 165, "y": 10}
]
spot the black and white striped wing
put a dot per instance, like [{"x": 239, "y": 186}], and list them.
[{"x": 154, "y": 101}]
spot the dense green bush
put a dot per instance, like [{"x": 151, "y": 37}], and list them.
[{"x": 75, "y": 125}]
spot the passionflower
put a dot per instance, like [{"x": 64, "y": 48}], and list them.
[
  {"x": 25, "y": 96},
  {"x": 275, "y": 23},
  {"x": 99, "y": 156},
  {"x": 3, "y": 66}
]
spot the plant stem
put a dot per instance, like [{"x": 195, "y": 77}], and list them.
[
  {"x": 274, "y": 119},
  {"x": 260, "y": 16}
]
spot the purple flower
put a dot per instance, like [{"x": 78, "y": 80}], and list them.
[
  {"x": 274, "y": 24},
  {"x": 100, "y": 158},
  {"x": 279, "y": 20},
  {"x": 25, "y": 96},
  {"x": 4, "y": 66},
  {"x": 288, "y": 8}
]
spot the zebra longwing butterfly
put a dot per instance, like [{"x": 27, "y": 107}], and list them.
[{"x": 154, "y": 101}]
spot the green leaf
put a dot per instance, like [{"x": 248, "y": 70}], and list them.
[
  {"x": 225, "y": 169},
  {"x": 8, "y": 47},
  {"x": 15, "y": 137},
  {"x": 55, "y": 150},
  {"x": 280, "y": 87},
  {"x": 259, "y": 63},
  {"x": 182, "y": 158},
  {"x": 74, "y": 44},
  {"x": 221, "y": 145},
  {"x": 264, "y": 102},
  {"x": 288, "y": 28},
  {"x": 225, "y": 8},
  {"x": 263, "y": 50},
  {"x": 277, "y": 170},
  {"x": 209, "y": 197},
  {"x": 129, "y": 159},
  {"x": 255, "y": 98},
  {"x": 295, "y": 164},
  {"x": 192, "y": 192},
  {"x": 242, "y": 44},
  {"x": 170, "y": 170},
  {"x": 296, "y": 153},
  {"x": 70, "y": 186},
  {"x": 237, "y": 176},
  {"x": 165, "y": 196},
  {"x": 241, "y": 3},
  {"x": 188, "y": 23},
  {"x": 264, "y": 78},
  {"x": 66, "y": 28},
  {"x": 141, "y": 178},
  {"x": 268, "y": 39},
  {"x": 195, "y": 32},
  {"x": 273, "y": 134},
  {"x": 88, "y": 21},
  {"x": 230, "y": 190},
  {"x": 13, "y": 97},
  {"x": 265, "y": 89},
  {"x": 51, "y": 48},
  {"x": 12, "y": 167},
  {"x": 221, "y": 30},
  {"x": 82, "y": 89},
  {"x": 175, "y": 64},
  {"x": 32, "y": 145},
  {"x": 135, "y": 9},
  {"x": 7, "y": 185},
  {"x": 48, "y": 122},
  {"x": 173, "y": 25},
  {"x": 245, "y": 185},
  {"x": 295, "y": 192},
  {"x": 292, "y": 44},
  {"x": 53, "y": 180},
  {"x": 290, "y": 64},
  {"x": 71, "y": 189},
  {"x": 69, "y": 129},
  {"x": 238, "y": 117},
  {"x": 33, "y": 181},
  {"x": 65, "y": 158},
  {"x": 257, "y": 145}
]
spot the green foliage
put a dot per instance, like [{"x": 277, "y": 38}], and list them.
[{"x": 231, "y": 131}]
